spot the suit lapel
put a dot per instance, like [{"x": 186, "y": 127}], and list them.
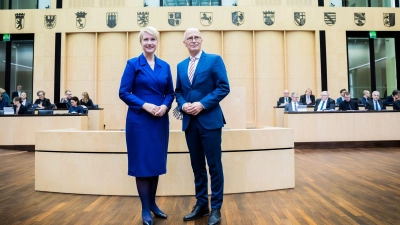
[
  {"x": 146, "y": 67},
  {"x": 185, "y": 71},
  {"x": 199, "y": 66}
]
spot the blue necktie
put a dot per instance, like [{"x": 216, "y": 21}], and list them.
[
  {"x": 365, "y": 101},
  {"x": 322, "y": 106},
  {"x": 295, "y": 107},
  {"x": 376, "y": 105}
]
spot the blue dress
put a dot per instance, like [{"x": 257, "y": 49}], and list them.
[{"x": 146, "y": 135}]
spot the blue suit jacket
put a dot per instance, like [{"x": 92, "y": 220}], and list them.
[{"x": 210, "y": 85}]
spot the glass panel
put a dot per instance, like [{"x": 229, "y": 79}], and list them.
[
  {"x": 24, "y": 4},
  {"x": 22, "y": 66},
  {"x": 151, "y": 3},
  {"x": 3, "y": 65},
  {"x": 4, "y": 4},
  {"x": 382, "y": 3},
  {"x": 44, "y": 4},
  {"x": 385, "y": 66},
  {"x": 359, "y": 66},
  {"x": 356, "y": 3}
]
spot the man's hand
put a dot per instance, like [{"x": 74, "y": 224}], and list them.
[{"x": 193, "y": 108}]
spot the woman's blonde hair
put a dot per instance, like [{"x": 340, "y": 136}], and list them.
[
  {"x": 2, "y": 90},
  {"x": 150, "y": 30},
  {"x": 85, "y": 97}
]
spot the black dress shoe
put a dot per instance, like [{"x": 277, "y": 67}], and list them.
[
  {"x": 160, "y": 214},
  {"x": 197, "y": 212},
  {"x": 215, "y": 217},
  {"x": 147, "y": 222}
]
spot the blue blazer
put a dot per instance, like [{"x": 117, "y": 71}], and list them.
[{"x": 210, "y": 85}]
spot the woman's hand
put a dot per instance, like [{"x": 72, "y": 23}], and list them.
[
  {"x": 161, "y": 110},
  {"x": 151, "y": 108}
]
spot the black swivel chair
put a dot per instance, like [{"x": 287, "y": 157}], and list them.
[{"x": 1, "y": 112}]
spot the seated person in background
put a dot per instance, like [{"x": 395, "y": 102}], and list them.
[
  {"x": 17, "y": 93},
  {"x": 285, "y": 99},
  {"x": 42, "y": 102},
  {"x": 390, "y": 99},
  {"x": 67, "y": 98},
  {"x": 396, "y": 103},
  {"x": 365, "y": 98},
  {"x": 25, "y": 102},
  {"x": 5, "y": 101},
  {"x": 308, "y": 98},
  {"x": 2, "y": 103},
  {"x": 341, "y": 98},
  {"x": 324, "y": 103},
  {"x": 86, "y": 102},
  {"x": 348, "y": 104},
  {"x": 19, "y": 109},
  {"x": 75, "y": 107},
  {"x": 294, "y": 105},
  {"x": 375, "y": 103}
]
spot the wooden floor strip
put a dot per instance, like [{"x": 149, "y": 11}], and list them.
[{"x": 333, "y": 186}]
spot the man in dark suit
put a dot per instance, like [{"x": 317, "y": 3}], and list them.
[
  {"x": 308, "y": 98},
  {"x": 375, "y": 103},
  {"x": 294, "y": 105},
  {"x": 67, "y": 98},
  {"x": 348, "y": 104},
  {"x": 17, "y": 93},
  {"x": 285, "y": 99},
  {"x": 25, "y": 101},
  {"x": 341, "y": 98},
  {"x": 324, "y": 103},
  {"x": 366, "y": 97},
  {"x": 390, "y": 99},
  {"x": 201, "y": 84}
]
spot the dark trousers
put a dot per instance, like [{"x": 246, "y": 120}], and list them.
[{"x": 202, "y": 144}]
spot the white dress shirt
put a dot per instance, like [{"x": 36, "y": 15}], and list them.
[
  {"x": 195, "y": 62},
  {"x": 320, "y": 103}
]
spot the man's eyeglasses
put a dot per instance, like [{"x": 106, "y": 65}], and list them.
[{"x": 194, "y": 38}]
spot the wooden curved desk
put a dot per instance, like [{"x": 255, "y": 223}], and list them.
[{"x": 95, "y": 162}]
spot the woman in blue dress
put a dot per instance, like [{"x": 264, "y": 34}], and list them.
[{"x": 146, "y": 87}]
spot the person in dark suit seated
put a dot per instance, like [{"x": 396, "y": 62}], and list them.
[
  {"x": 25, "y": 101},
  {"x": 147, "y": 89},
  {"x": 324, "y": 103},
  {"x": 285, "y": 99},
  {"x": 17, "y": 93},
  {"x": 19, "y": 109},
  {"x": 390, "y": 99},
  {"x": 375, "y": 103},
  {"x": 308, "y": 98},
  {"x": 293, "y": 106},
  {"x": 365, "y": 98},
  {"x": 67, "y": 98},
  {"x": 75, "y": 107},
  {"x": 341, "y": 98},
  {"x": 396, "y": 103},
  {"x": 199, "y": 90},
  {"x": 86, "y": 102},
  {"x": 42, "y": 102},
  {"x": 348, "y": 104}
]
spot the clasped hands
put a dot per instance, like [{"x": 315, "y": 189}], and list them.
[
  {"x": 192, "y": 108},
  {"x": 155, "y": 110}
]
